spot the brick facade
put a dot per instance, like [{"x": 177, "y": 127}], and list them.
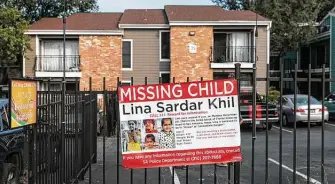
[
  {"x": 192, "y": 65},
  {"x": 100, "y": 56}
]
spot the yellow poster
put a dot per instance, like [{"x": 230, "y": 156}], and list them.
[{"x": 23, "y": 103}]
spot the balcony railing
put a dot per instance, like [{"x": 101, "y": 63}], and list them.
[
  {"x": 227, "y": 54},
  {"x": 54, "y": 63}
]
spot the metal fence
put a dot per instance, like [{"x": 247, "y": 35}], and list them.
[
  {"x": 63, "y": 152},
  {"x": 234, "y": 172}
]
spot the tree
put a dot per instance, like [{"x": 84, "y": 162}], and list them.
[
  {"x": 33, "y": 10},
  {"x": 13, "y": 41},
  {"x": 233, "y": 4},
  {"x": 327, "y": 6},
  {"x": 292, "y": 20}
]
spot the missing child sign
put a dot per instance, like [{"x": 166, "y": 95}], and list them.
[{"x": 179, "y": 124}]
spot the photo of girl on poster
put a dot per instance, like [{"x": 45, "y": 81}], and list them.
[
  {"x": 150, "y": 142},
  {"x": 166, "y": 136},
  {"x": 132, "y": 136}
]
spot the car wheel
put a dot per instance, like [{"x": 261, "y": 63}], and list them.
[{"x": 10, "y": 174}]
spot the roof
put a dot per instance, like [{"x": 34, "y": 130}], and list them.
[
  {"x": 208, "y": 13},
  {"x": 80, "y": 21},
  {"x": 144, "y": 16}
]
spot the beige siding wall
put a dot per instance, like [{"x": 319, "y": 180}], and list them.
[
  {"x": 30, "y": 58},
  {"x": 262, "y": 56},
  {"x": 145, "y": 56}
]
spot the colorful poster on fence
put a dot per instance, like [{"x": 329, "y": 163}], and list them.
[
  {"x": 179, "y": 124},
  {"x": 23, "y": 107}
]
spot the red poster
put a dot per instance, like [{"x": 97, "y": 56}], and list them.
[{"x": 179, "y": 124}]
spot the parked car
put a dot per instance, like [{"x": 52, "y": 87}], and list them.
[
  {"x": 11, "y": 148},
  {"x": 302, "y": 109},
  {"x": 329, "y": 102},
  {"x": 246, "y": 108}
]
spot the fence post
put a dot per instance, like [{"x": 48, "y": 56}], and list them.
[
  {"x": 104, "y": 130},
  {"x": 63, "y": 151},
  {"x": 90, "y": 131},
  {"x": 76, "y": 155},
  {"x": 237, "y": 166}
]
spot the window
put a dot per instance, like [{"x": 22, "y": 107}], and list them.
[
  {"x": 245, "y": 78},
  {"x": 57, "y": 86},
  {"x": 127, "y": 54},
  {"x": 331, "y": 97},
  {"x": 233, "y": 47},
  {"x": 125, "y": 83},
  {"x": 4, "y": 122},
  {"x": 164, "y": 39},
  {"x": 52, "y": 55},
  {"x": 165, "y": 77}
]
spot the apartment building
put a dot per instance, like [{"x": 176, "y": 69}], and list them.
[{"x": 177, "y": 42}]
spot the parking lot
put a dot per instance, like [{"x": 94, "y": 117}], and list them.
[{"x": 138, "y": 176}]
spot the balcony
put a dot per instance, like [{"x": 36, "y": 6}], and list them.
[
  {"x": 227, "y": 56},
  {"x": 52, "y": 66}
]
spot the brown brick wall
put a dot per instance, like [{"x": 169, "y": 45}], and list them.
[
  {"x": 185, "y": 64},
  {"x": 101, "y": 56},
  {"x": 261, "y": 44},
  {"x": 30, "y": 57}
]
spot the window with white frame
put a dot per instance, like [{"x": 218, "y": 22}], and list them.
[
  {"x": 164, "y": 45},
  {"x": 52, "y": 55},
  {"x": 125, "y": 83},
  {"x": 127, "y": 54}
]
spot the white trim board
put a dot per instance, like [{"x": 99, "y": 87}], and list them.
[
  {"x": 231, "y": 65},
  {"x": 131, "y": 54},
  {"x": 218, "y": 23},
  {"x": 75, "y": 32},
  {"x": 268, "y": 45},
  {"x": 164, "y": 72},
  {"x": 126, "y": 81},
  {"x": 144, "y": 26},
  {"x": 57, "y": 74}
]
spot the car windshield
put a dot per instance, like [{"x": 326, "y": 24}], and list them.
[
  {"x": 4, "y": 118},
  {"x": 303, "y": 100}
]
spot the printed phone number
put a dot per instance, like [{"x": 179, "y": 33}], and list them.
[{"x": 204, "y": 158}]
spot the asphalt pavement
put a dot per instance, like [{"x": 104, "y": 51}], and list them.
[{"x": 221, "y": 175}]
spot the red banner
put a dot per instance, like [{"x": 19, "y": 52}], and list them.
[{"x": 182, "y": 157}]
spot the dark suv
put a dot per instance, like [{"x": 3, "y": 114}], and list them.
[{"x": 11, "y": 148}]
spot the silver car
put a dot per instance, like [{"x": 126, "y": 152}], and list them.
[{"x": 302, "y": 109}]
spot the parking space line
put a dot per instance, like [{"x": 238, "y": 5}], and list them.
[
  {"x": 330, "y": 124},
  {"x": 297, "y": 173},
  {"x": 289, "y": 131},
  {"x": 175, "y": 178}
]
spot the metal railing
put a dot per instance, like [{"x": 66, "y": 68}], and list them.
[
  {"x": 226, "y": 54},
  {"x": 54, "y": 63}
]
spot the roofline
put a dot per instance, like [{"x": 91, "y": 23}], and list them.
[
  {"x": 74, "y": 32},
  {"x": 329, "y": 14},
  {"x": 223, "y": 23},
  {"x": 144, "y": 26}
]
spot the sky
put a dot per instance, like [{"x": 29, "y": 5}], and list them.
[{"x": 121, "y": 5}]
